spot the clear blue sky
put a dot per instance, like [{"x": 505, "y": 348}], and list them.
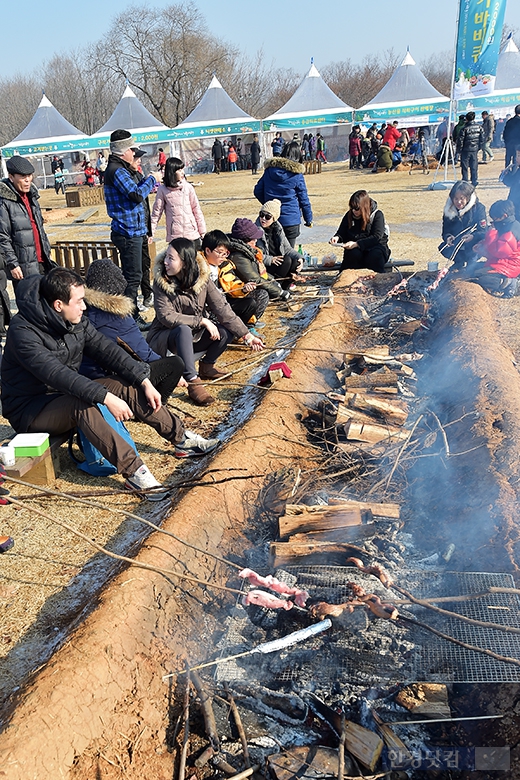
[{"x": 289, "y": 33}]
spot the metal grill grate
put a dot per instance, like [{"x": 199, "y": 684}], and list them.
[{"x": 385, "y": 652}]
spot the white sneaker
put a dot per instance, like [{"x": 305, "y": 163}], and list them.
[
  {"x": 193, "y": 445},
  {"x": 143, "y": 479}
]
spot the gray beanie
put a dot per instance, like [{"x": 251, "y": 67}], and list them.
[
  {"x": 120, "y": 142},
  {"x": 105, "y": 276}
]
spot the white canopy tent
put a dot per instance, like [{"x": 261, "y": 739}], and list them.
[
  {"x": 314, "y": 106},
  {"x": 506, "y": 94},
  {"x": 407, "y": 97},
  {"x": 215, "y": 116},
  {"x": 48, "y": 133}
]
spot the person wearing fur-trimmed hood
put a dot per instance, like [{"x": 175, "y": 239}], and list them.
[
  {"x": 283, "y": 180},
  {"x": 464, "y": 224},
  {"x": 183, "y": 291},
  {"x": 110, "y": 312}
]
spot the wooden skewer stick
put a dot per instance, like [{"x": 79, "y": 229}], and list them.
[{"x": 184, "y": 752}]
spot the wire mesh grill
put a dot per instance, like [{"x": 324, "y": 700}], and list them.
[{"x": 383, "y": 651}]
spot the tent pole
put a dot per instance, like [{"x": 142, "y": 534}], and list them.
[{"x": 447, "y": 152}]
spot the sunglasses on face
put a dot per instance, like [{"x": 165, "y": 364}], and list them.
[{"x": 265, "y": 215}]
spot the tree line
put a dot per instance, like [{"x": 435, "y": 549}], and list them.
[{"x": 168, "y": 56}]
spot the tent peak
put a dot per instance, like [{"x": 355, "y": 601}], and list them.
[
  {"x": 45, "y": 102},
  {"x": 215, "y": 83},
  {"x": 408, "y": 60},
  {"x": 511, "y": 45},
  {"x": 313, "y": 72},
  {"x": 129, "y": 92}
]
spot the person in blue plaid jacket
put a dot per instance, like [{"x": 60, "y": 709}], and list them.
[{"x": 124, "y": 198}]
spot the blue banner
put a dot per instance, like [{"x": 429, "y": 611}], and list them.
[{"x": 478, "y": 43}]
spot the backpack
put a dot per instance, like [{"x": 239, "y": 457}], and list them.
[
  {"x": 95, "y": 464},
  {"x": 371, "y": 219}
]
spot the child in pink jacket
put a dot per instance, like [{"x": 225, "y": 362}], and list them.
[{"x": 177, "y": 199}]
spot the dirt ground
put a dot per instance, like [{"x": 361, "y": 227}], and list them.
[{"x": 106, "y": 679}]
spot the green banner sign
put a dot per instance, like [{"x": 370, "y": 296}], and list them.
[
  {"x": 317, "y": 120},
  {"x": 151, "y": 137},
  {"x": 488, "y": 102},
  {"x": 427, "y": 113}
]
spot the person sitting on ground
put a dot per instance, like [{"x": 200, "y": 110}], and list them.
[
  {"x": 183, "y": 290},
  {"x": 247, "y": 300},
  {"x": 384, "y": 160},
  {"x": 281, "y": 260},
  {"x": 501, "y": 248},
  {"x": 248, "y": 258},
  {"x": 110, "y": 312},
  {"x": 177, "y": 198},
  {"x": 511, "y": 178},
  {"x": 42, "y": 390},
  {"x": 464, "y": 224},
  {"x": 364, "y": 234},
  {"x": 283, "y": 180}
]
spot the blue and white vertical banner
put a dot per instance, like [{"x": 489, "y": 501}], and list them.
[{"x": 478, "y": 44}]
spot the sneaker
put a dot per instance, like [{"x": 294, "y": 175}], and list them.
[
  {"x": 254, "y": 333},
  {"x": 193, "y": 445},
  {"x": 143, "y": 479},
  {"x": 259, "y": 325},
  {"x": 6, "y": 543},
  {"x": 148, "y": 302}
]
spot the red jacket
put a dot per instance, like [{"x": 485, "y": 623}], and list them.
[
  {"x": 354, "y": 146},
  {"x": 391, "y": 136},
  {"x": 503, "y": 253}
]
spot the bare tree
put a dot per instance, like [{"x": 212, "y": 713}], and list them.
[
  {"x": 81, "y": 89},
  {"x": 19, "y": 99},
  {"x": 167, "y": 56},
  {"x": 438, "y": 69},
  {"x": 358, "y": 84},
  {"x": 257, "y": 87}
]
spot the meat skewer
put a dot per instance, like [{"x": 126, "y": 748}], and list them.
[
  {"x": 257, "y": 581},
  {"x": 267, "y": 600},
  {"x": 376, "y": 569}
]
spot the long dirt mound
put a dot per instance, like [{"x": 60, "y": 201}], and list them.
[{"x": 100, "y": 707}]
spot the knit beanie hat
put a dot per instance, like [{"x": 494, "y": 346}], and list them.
[
  {"x": 273, "y": 207},
  {"x": 245, "y": 230},
  {"x": 120, "y": 141},
  {"x": 105, "y": 276}
]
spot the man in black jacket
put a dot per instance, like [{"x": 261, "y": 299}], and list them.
[
  {"x": 511, "y": 135},
  {"x": 24, "y": 247},
  {"x": 43, "y": 391},
  {"x": 470, "y": 140}
]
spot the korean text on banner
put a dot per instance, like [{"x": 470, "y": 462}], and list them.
[{"x": 478, "y": 42}]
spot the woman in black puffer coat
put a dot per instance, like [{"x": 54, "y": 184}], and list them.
[{"x": 364, "y": 234}]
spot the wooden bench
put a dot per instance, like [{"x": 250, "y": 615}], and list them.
[
  {"x": 43, "y": 469},
  {"x": 78, "y": 255}
]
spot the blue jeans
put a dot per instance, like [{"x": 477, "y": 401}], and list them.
[{"x": 131, "y": 257}]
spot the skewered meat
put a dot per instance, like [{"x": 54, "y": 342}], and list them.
[
  {"x": 263, "y": 599},
  {"x": 376, "y": 569},
  {"x": 380, "y": 610},
  {"x": 322, "y": 609},
  {"x": 257, "y": 581}
]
